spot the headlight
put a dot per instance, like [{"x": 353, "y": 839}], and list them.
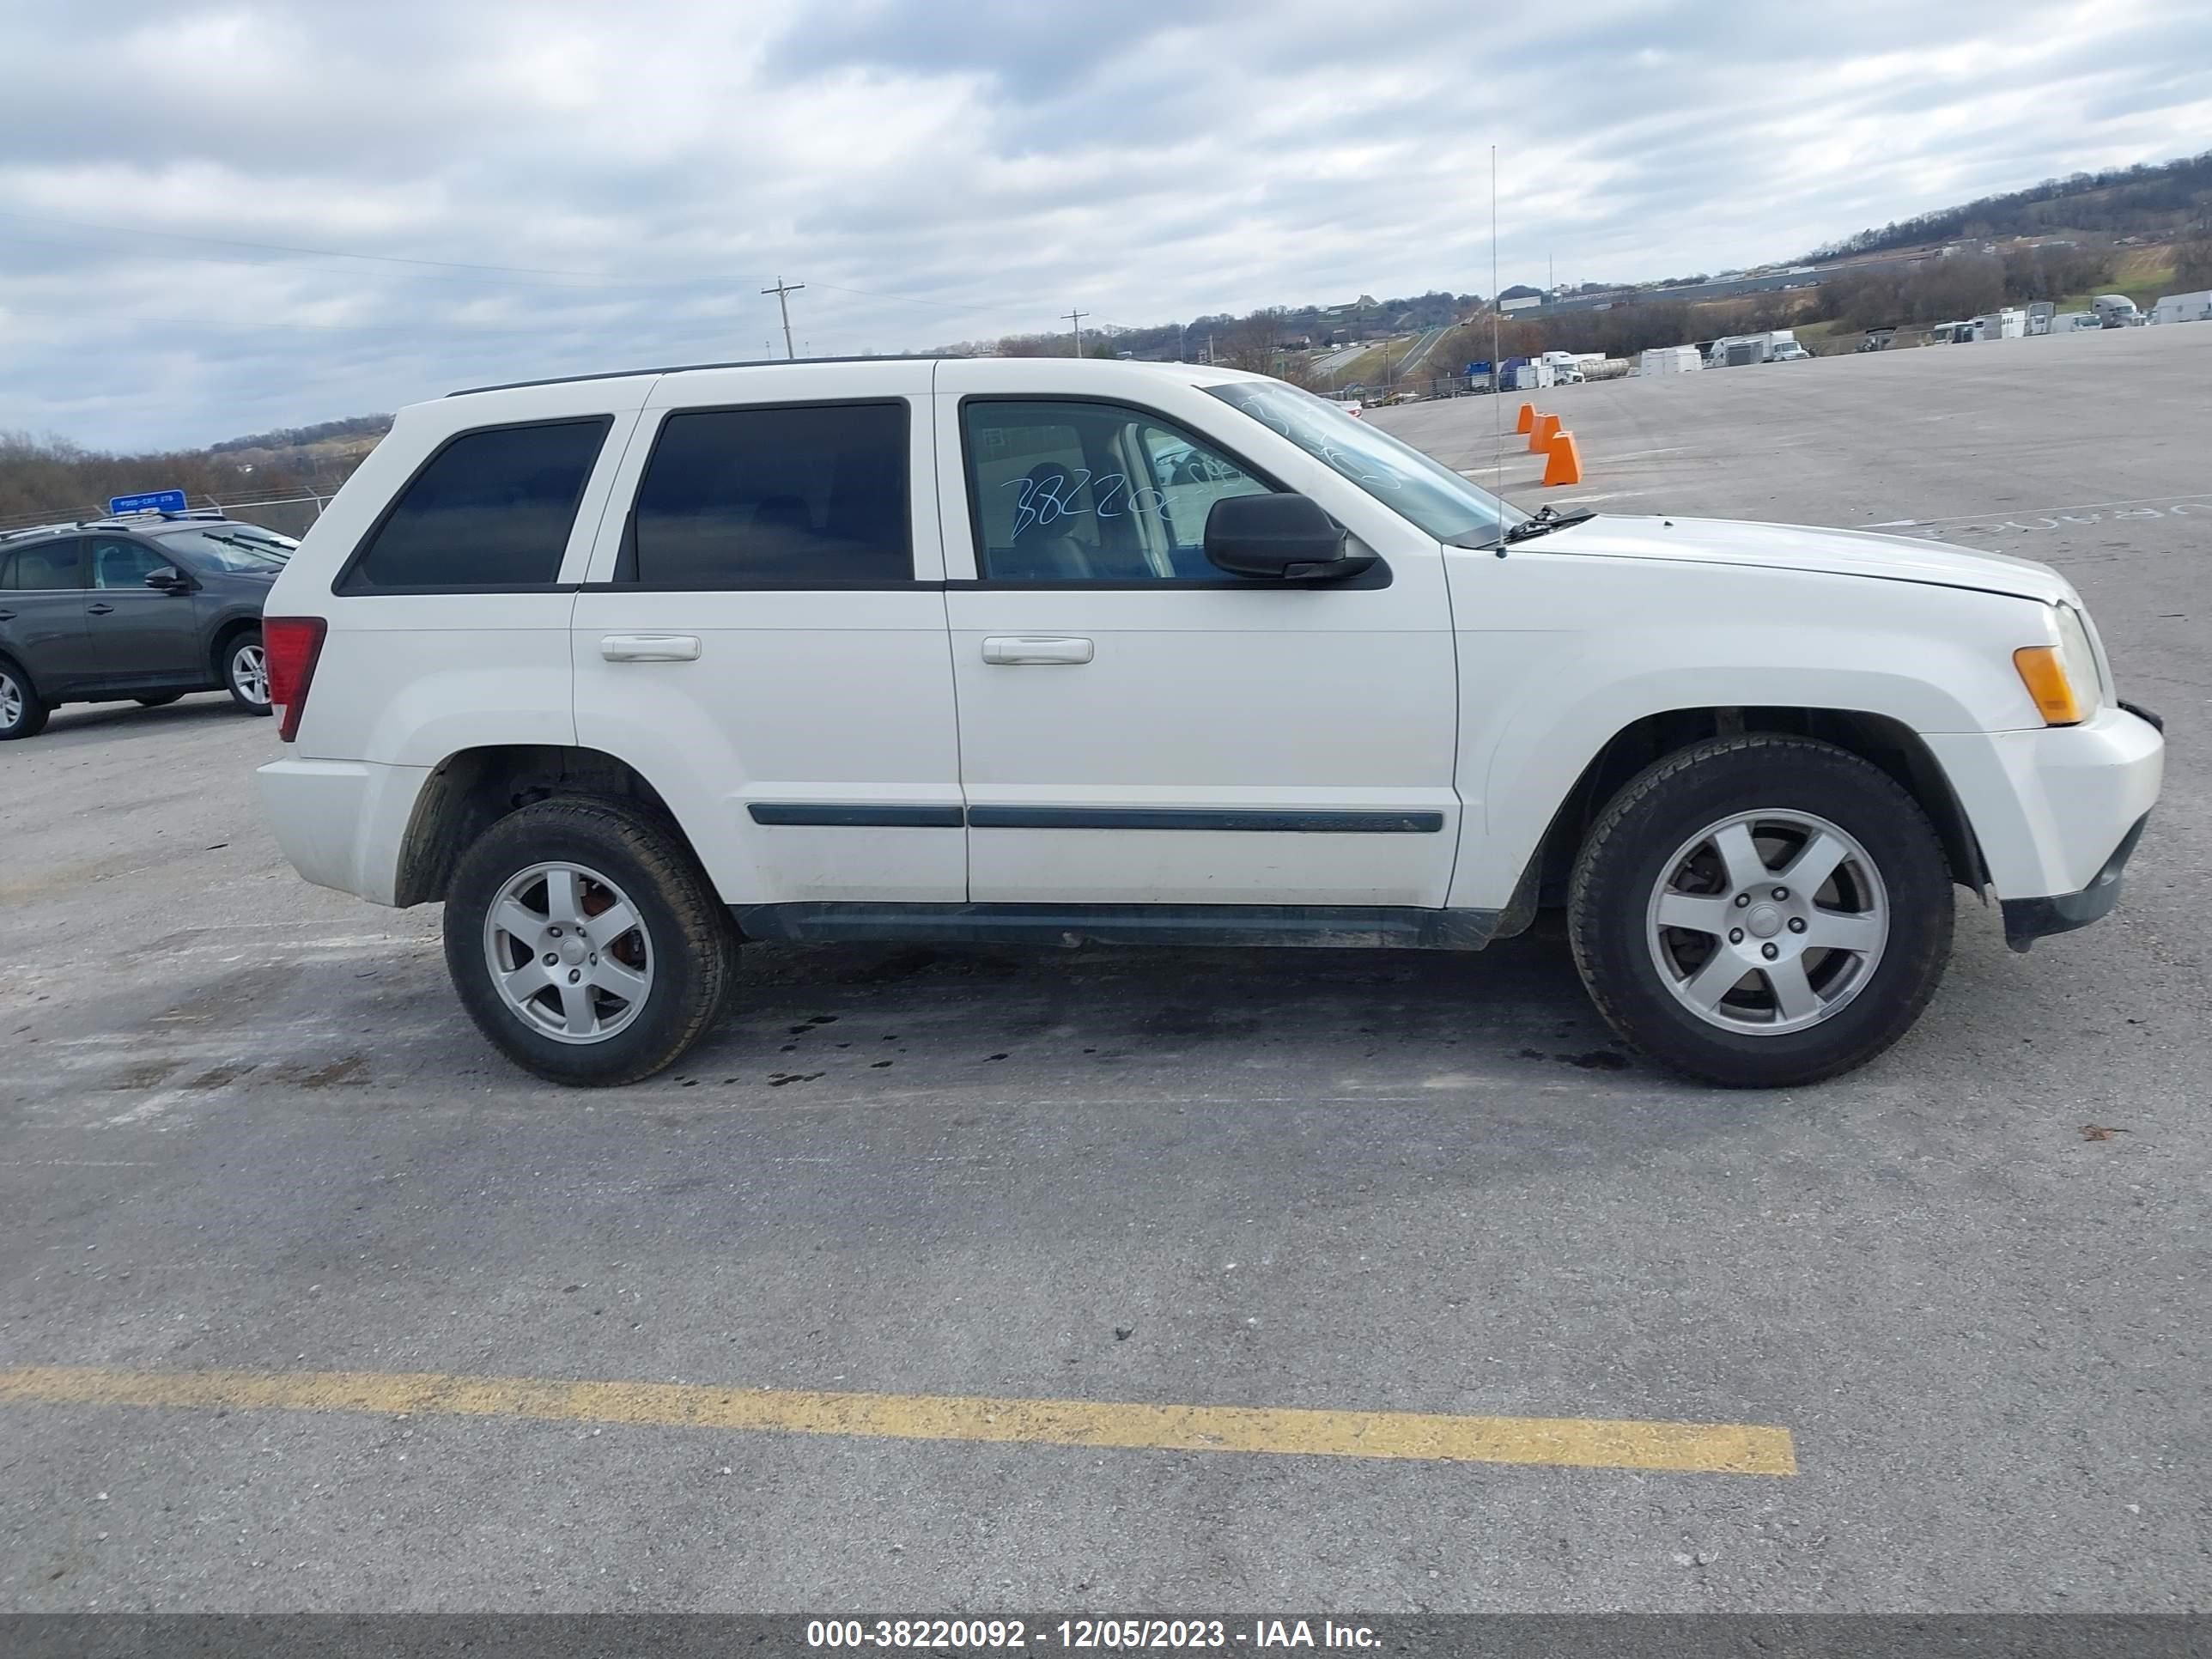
[{"x": 2063, "y": 678}]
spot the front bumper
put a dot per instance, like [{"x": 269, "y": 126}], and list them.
[
  {"x": 2028, "y": 920},
  {"x": 2048, "y": 806}
]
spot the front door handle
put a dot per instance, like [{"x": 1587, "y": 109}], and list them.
[
  {"x": 1017, "y": 648},
  {"x": 7, "y": 616},
  {"x": 98, "y": 609},
  {"x": 650, "y": 647}
]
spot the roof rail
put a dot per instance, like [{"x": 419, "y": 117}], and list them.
[
  {"x": 686, "y": 368},
  {"x": 127, "y": 520},
  {"x": 28, "y": 530}
]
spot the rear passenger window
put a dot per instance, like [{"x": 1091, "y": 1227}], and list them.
[
  {"x": 48, "y": 565},
  {"x": 492, "y": 509},
  {"x": 812, "y": 496}
]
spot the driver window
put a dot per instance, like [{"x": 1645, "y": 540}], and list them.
[
  {"x": 121, "y": 564},
  {"x": 1066, "y": 491}
]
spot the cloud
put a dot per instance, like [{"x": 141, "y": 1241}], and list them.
[{"x": 551, "y": 187}]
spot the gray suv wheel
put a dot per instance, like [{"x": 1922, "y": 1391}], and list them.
[
  {"x": 21, "y": 714},
  {"x": 245, "y": 671}
]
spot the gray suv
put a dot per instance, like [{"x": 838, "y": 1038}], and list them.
[{"x": 145, "y": 609}]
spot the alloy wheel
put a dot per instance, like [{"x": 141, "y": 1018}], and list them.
[
  {"x": 249, "y": 673},
  {"x": 1768, "y": 921},
  {"x": 569, "y": 952}
]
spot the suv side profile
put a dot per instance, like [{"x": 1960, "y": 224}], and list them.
[
  {"x": 146, "y": 608},
  {"x": 630, "y": 671}
]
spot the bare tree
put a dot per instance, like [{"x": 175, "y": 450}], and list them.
[{"x": 2192, "y": 260}]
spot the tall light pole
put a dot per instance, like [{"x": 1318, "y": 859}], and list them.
[
  {"x": 1076, "y": 318},
  {"x": 783, "y": 291}
]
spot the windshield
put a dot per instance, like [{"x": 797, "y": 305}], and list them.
[
  {"x": 241, "y": 548},
  {"x": 1426, "y": 492}
]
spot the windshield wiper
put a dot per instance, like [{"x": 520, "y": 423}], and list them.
[{"x": 1547, "y": 519}]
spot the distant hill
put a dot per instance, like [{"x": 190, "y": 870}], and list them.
[
  {"x": 2157, "y": 200},
  {"x": 52, "y": 478},
  {"x": 371, "y": 427}
]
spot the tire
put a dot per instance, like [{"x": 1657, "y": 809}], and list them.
[
  {"x": 22, "y": 713},
  {"x": 244, "y": 669},
  {"x": 161, "y": 702},
  {"x": 1884, "y": 906},
  {"x": 658, "y": 987}
]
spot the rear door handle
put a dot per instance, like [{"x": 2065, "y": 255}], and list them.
[
  {"x": 7, "y": 616},
  {"x": 98, "y": 609},
  {"x": 650, "y": 647},
  {"x": 1017, "y": 648}
]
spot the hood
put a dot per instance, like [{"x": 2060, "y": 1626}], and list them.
[{"x": 1809, "y": 547}]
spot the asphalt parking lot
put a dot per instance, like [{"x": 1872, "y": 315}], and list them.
[{"x": 244, "y": 1129}]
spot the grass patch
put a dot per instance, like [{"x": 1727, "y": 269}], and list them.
[{"x": 1366, "y": 369}]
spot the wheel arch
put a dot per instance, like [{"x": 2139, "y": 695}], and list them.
[
  {"x": 1880, "y": 740},
  {"x": 219, "y": 641},
  {"x": 473, "y": 788}
]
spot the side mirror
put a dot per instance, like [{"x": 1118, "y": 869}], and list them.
[
  {"x": 1286, "y": 537},
  {"x": 170, "y": 582}
]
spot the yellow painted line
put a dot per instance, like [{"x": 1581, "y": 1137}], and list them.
[{"x": 1582, "y": 1443}]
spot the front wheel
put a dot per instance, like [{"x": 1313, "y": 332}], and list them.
[
  {"x": 246, "y": 672},
  {"x": 586, "y": 942},
  {"x": 1761, "y": 911}
]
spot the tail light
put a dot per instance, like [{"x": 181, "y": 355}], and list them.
[{"x": 292, "y": 645}]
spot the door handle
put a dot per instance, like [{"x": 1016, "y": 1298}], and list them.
[
  {"x": 650, "y": 647},
  {"x": 7, "y": 616},
  {"x": 1017, "y": 648},
  {"x": 98, "y": 610}
]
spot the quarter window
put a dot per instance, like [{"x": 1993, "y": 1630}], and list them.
[
  {"x": 492, "y": 509},
  {"x": 795, "y": 496},
  {"x": 49, "y": 565},
  {"x": 1093, "y": 492}
]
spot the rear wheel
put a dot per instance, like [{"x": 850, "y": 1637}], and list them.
[
  {"x": 586, "y": 942},
  {"x": 245, "y": 671},
  {"x": 21, "y": 714},
  {"x": 1762, "y": 911}
]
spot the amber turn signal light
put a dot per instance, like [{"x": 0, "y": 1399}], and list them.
[{"x": 2045, "y": 675}]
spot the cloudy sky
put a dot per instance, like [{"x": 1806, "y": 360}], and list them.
[{"x": 217, "y": 218}]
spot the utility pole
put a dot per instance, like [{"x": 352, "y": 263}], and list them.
[
  {"x": 783, "y": 291},
  {"x": 1076, "y": 318}
]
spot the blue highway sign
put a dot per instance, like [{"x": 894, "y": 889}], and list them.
[{"x": 154, "y": 501}]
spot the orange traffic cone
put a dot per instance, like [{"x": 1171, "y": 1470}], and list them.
[
  {"x": 1539, "y": 434},
  {"x": 1528, "y": 418},
  {"x": 1563, "y": 465}
]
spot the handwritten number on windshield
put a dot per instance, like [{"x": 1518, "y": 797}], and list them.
[{"x": 1316, "y": 442}]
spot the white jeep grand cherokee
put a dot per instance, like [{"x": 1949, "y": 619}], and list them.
[{"x": 628, "y": 670}]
